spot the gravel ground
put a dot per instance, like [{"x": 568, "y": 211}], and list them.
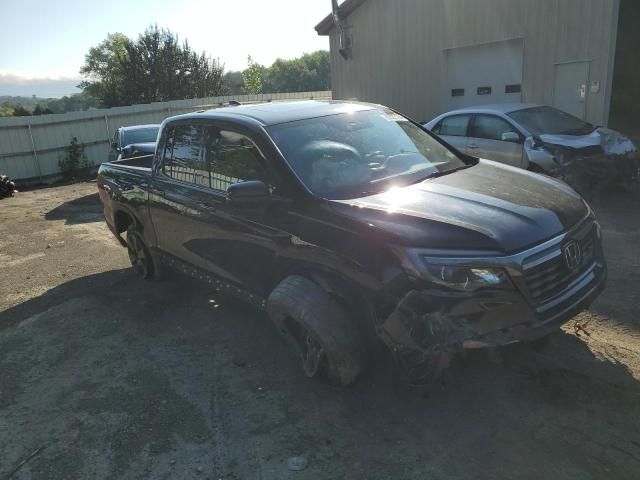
[{"x": 103, "y": 375}]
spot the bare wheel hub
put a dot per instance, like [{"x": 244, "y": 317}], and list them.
[
  {"x": 138, "y": 255},
  {"x": 311, "y": 352}
]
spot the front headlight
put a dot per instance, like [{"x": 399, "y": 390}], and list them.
[{"x": 467, "y": 279}]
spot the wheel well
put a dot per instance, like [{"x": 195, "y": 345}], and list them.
[
  {"x": 123, "y": 221},
  {"x": 348, "y": 295},
  {"x": 329, "y": 283}
]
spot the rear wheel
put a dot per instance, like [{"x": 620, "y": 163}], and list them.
[
  {"x": 325, "y": 337},
  {"x": 139, "y": 254}
]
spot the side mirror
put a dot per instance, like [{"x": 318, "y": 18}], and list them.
[
  {"x": 536, "y": 141},
  {"x": 251, "y": 193},
  {"x": 114, "y": 145},
  {"x": 511, "y": 137}
]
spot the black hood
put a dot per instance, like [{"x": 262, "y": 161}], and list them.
[{"x": 489, "y": 207}]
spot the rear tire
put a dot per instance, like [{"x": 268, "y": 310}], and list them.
[
  {"x": 325, "y": 337},
  {"x": 139, "y": 255}
]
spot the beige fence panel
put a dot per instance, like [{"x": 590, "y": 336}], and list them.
[{"x": 31, "y": 147}]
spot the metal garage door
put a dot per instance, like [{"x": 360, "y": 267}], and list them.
[{"x": 490, "y": 73}]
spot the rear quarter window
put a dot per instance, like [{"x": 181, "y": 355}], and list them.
[
  {"x": 454, "y": 126},
  {"x": 182, "y": 158}
]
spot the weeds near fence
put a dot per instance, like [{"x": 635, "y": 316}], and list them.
[{"x": 75, "y": 163}]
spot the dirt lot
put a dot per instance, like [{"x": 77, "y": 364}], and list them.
[{"x": 113, "y": 377}]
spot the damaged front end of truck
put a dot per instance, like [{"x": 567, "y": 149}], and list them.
[
  {"x": 443, "y": 307},
  {"x": 428, "y": 328}
]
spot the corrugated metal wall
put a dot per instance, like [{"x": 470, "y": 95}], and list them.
[
  {"x": 399, "y": 48},
  {"x": 31, "y": 147}
]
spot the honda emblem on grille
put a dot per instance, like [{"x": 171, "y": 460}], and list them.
[{"x": 572, "y": 255}]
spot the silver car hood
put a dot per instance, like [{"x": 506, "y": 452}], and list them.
[{"x": 612, "y": 142}]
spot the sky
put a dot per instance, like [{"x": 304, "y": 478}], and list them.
[{"x": 43, "y": 42}]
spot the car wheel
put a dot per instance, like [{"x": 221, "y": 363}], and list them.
[
  {"x": 325, "y": 337},
  {"x": 139, "y": 254}
]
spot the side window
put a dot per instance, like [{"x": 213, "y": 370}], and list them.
[
  {"x": 454, "y": 126},
  {"x": 232, "y": 157},
  {"x": 182, "y": 158},
  {"x": 490, "y": 127}
]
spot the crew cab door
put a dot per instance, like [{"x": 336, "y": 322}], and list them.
[
  {"x": 453, "y": 130},
  {"x": 178, "y": 189},
  {"x": 487, "y": 139},
  {"x": 239, "y": 243}
]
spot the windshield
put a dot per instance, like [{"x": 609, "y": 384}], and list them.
[
  {"x": 548, "y": 120},
  {"x": 355, "y": 154},
  {"x": 140, "y": 135}
]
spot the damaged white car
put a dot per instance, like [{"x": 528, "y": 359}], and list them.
[{"x": 545, "y": 140}]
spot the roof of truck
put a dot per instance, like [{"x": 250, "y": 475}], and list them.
[
  {"x": 140, "y": 127},
  {"x": 274, "y": 113}
]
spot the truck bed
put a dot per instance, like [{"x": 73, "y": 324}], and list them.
[{"x": 143, "y": 162}]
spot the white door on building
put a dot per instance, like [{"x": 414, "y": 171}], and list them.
[
  {"x": 570, "y": 88},
  {"x": 484, "y": 74}
]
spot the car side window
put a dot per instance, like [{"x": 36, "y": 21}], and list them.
[
  {"x": 231, "y": 157},
  {"x": 490, "y": 127},
  {"x": 454, "y": 126},
  {"x": 182, "y": 159}
]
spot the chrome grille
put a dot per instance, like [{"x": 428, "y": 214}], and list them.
[{"x": 547, "y": 274}]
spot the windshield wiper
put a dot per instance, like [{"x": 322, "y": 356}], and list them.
[{"x": 444, "y": 172}]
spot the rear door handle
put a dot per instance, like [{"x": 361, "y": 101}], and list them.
[
  {"x": 159, "y": 193},
  {"x": 473, "y": 146}
]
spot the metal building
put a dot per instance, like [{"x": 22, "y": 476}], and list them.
[{"x": 424, "y": 57}]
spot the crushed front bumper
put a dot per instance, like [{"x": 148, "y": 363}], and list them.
[{"x": 429, "y": 321}]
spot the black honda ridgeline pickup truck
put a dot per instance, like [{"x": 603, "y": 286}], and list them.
[{"x": 350, "y": 223}]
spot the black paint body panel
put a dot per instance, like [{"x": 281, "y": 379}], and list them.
[{"x": 361, "y": 244}]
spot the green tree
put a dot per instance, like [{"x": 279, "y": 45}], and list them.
[
  {"x": 153, "y": 68},
  {"x": 20, "y": 111},
  {"x": 42, "y": 110},
  {"x": 253, "y": 76},
  {"x": 311, "y": 72},
  {"x": 73, "y": 103},
  {"x": 103, "y": 70},
  {"x": 75, "y": 162},
  {"x": 234, "y": 83},
  {"x": 6, "y": 110}
]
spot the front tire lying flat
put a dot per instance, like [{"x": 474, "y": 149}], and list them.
[{"x": 327, "y": 340}]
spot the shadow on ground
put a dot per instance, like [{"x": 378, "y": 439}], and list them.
[
  {"x": 85, "y": 209},
  {"x": 619, "y": 216},
  {"x": 120, "y": 378}
]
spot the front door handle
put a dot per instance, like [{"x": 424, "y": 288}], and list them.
[
  {"x": 473, "y": 146},
  {"x": 159, "y": 193}
]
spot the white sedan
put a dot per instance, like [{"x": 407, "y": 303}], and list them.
[{"x": 542, "y": 139}]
